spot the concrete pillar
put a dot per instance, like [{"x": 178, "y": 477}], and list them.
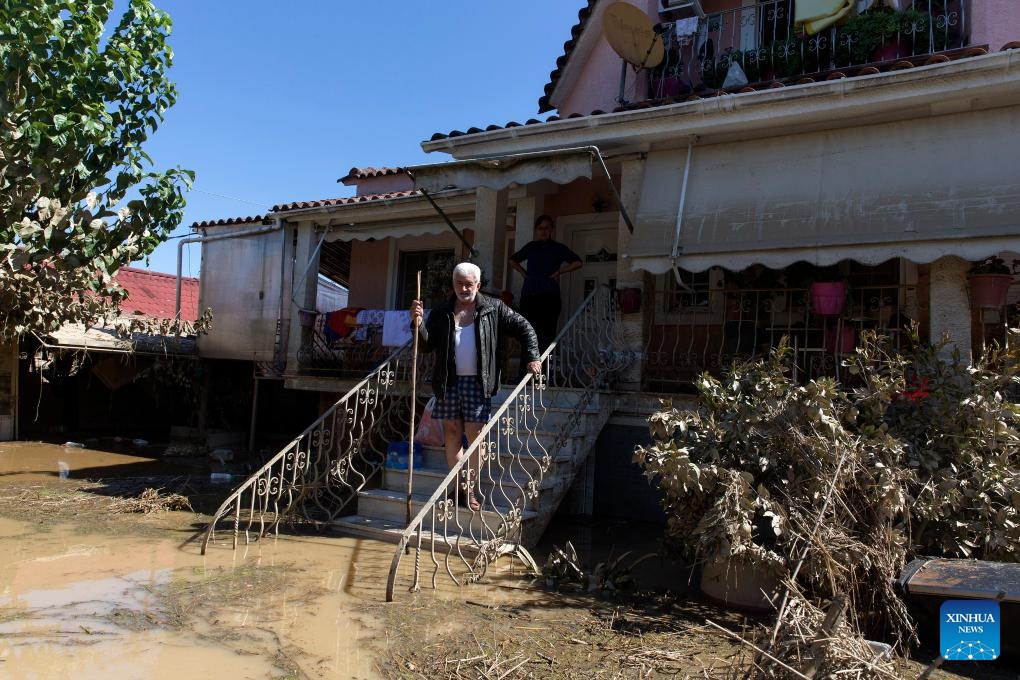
[
  {"x": 950, "y": 305},
  {"x": 524, "y": 231},
  {"x": 633, "y": 340},
  {"x": 490, "y": 233}
]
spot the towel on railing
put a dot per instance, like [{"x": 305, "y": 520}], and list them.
[
  {"x": 815, "y": 16},
  {"x": 370, "y": 317},
  {"x": 340, "y": 323},
  {"x": 396, "y": 329}
]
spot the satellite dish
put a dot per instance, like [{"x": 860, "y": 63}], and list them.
[{"x": 630, "y": 33}]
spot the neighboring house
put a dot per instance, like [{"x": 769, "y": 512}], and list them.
[
  {"x": 97, "y": 381},
  {"x": 711, "y": 197}
]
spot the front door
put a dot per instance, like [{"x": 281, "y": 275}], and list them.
[{"x": 593, "y": 238}]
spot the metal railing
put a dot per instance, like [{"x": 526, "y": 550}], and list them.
[
  {"x": 318, "y": 474},
  {"x": 320, "y": 354},
  {"x": 521, "y": 468},
  {"x": 763, "y": 40},
  {"x": 690, "y": 332}
]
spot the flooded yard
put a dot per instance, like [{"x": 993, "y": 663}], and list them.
[{"x": 88, "y": 590}]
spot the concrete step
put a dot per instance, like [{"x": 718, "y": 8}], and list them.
[
  {"x": 560, "y": 397},
  {"x": 390, "y": 505},
  {"x": 390, "y": 531},
  {"x": 506, "y": 484}
]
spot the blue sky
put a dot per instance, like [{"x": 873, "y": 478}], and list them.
[{"x": 279, "y": 100}]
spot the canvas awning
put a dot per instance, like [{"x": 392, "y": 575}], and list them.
[
  {"x": 917, "y": 189},
  {"x": 558, "y": 165},
  {"x": 499, "y": 172}
]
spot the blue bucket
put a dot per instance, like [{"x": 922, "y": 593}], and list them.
[{"x": 396, "y": 456}]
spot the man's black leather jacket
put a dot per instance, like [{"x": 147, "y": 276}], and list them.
[{"x": 493, "y": 322}]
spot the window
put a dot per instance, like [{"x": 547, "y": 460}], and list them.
[
  {"x": 698, "y": 299},
  {"x": 436, "y": 267}
]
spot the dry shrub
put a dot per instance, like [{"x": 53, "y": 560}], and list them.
[{"x": 913, "y": 453}]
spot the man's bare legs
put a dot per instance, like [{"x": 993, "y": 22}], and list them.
[{"x": 453, "y": 432}]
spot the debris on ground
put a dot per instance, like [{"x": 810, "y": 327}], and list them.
[{"x": 152, "y": 500}]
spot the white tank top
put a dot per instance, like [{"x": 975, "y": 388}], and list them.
[{"x": 464, "y": 349}]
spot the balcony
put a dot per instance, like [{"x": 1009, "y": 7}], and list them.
[{"x": 737, "y": 48}]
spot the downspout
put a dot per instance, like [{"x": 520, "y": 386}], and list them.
[
  {"x": 675, "y": 254},
  {"x": 207, "y": 239}
]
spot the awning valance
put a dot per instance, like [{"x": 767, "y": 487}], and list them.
[
  {"x": 381, "y": 230},
  {"x": 557, "y": 165},
  {"x": 917, "y": 189}
]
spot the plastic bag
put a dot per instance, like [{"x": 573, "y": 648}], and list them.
[
  {"x": 735, "y": 76},
  {"x": 430, "y": 430}
]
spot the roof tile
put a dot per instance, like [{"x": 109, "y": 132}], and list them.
[{"x": 154, "y": 294}]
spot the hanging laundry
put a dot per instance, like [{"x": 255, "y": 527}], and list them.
[
  {"x": 686, "y": 26},
  {"x": 814, "y": 16}
]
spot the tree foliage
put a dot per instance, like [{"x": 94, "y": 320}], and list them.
[{"x": 78, "y": 197}]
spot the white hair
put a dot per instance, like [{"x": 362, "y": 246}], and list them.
[{"x": 468, "y": 269}]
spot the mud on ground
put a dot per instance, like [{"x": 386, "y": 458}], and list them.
[{"x": 532, "y": 634}]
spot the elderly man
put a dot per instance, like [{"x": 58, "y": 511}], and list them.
[{"x": 465, "y": 332}]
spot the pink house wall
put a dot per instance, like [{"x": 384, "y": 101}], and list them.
[
  {"x": 994, "y": 22},
  {"x": 384, "y": 185},
  {"x": 369, "y": 272},
  {"x": 991, "y": 22}
]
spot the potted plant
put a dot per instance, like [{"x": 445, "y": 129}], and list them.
[
  {"x": 665, "y": 80},
  {"x": 870, "y": 36},
  {"x": 828, "y": 298},
  {"x": 989, "y": 282}
]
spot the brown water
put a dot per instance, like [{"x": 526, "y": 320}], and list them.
[{"x": 90, "y": 605}]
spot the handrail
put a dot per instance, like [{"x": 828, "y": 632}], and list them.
[
  {"x": 516, "y": 413},
  {"x": 294, "y": 463}
]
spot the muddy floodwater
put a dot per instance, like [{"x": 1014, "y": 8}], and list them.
[{"x": 83, "y": 599}]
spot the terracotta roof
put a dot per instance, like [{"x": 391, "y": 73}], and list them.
[
  {"x": 231, "y": 220},
  {"x": 896, "y": 65},
  {"x": 155, "y": 294},
  {"x": 363, "y": 173},
  {"x": 575, "y": 32},
  {"x": 331, "y": 202}
]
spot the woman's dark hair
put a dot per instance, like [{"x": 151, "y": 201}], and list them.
[{"x": 545, "y": 218}]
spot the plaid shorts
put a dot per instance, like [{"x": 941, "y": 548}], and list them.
[{"x": 464, "y": 401}]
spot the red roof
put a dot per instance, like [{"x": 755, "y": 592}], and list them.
[
  {"x": 251, "y": 219},
  {"x": 155, "y": 294},
  {"x": 330, "y": 202},
  {"x": 365, "y": 173}
]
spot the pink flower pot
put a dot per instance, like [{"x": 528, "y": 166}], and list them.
[
  {"x": 988, "y": 291},
  {"x": 828, "y": 297}
]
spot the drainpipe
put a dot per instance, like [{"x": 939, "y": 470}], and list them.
[
  {"x": 206, "y": 239},
  {"x": 675, "y": 254}
]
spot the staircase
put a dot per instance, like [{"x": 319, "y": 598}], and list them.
[
  {"x": 333, "y": 475},
  {"x": 504, "y": 482}
]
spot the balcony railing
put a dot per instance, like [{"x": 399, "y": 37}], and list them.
[
  {"x": 694, "y": 332},
  {"x": 763, "y": 41}
]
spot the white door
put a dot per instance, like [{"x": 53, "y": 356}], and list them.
[{"x": 593, "y": 238}]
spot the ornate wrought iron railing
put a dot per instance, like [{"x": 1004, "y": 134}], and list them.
[
  {"x": 523, "y": 459},
  {"x": 316, "y": 477},
  {"x": 689, "y": 332},
  {"x": 353, "y": 356},
  {"x": 763, "y": 40}
]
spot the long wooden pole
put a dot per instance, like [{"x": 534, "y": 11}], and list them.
[{"x": 414, "y": 397}]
